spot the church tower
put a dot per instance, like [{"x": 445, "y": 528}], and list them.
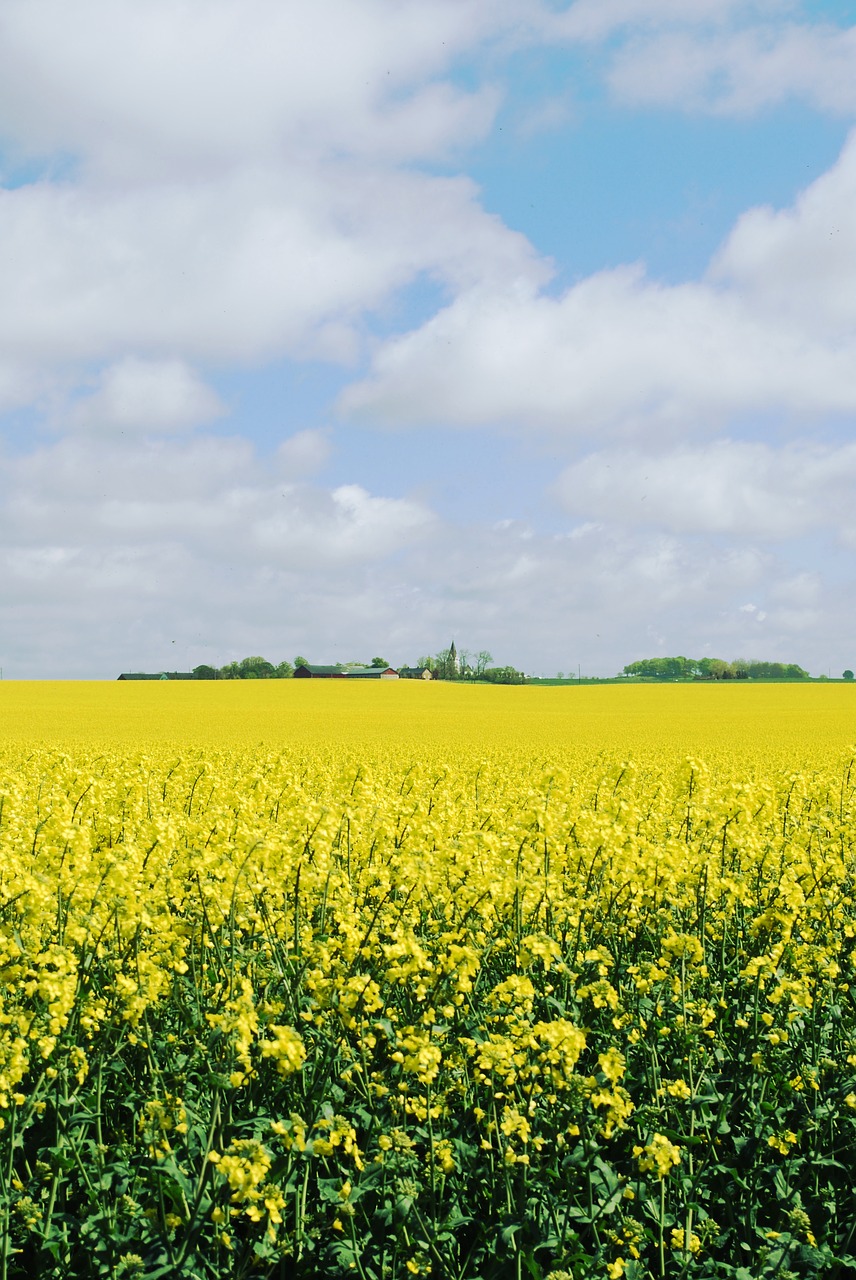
[{"x": 453, "y": 660}]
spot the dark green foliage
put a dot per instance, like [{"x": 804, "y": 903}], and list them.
[{"x": 713, "y": 669}]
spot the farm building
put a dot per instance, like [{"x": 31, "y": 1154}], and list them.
[
  {"x": 372, "y": 673},
  {"x": 159, "y": 675},
  {"x": 416, "y": 673},
  {"x": 308, "y": 671}
]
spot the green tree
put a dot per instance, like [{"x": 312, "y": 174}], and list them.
[
  {"x": 483, "y": 660},
  {"x": 204, "y": 672},
  {"x": 444, "y": 666},
  {"x": 848, "y": 674},
  {"x": 255, "y": 668},
  {"x": 379, "y": 662},
  {"x": 284, "y": 671},
  {"x": 301, "y": 662},
  {"x": 503, "y": 675}
]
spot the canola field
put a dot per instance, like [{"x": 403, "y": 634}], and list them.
[{"x": 313, "y": 980}]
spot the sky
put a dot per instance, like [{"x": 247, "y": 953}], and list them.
[{"x": 349, "y": 329}]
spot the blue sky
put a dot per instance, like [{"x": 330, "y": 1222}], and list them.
[{"x": 346, "y": 329}]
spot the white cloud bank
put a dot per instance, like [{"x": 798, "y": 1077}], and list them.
[
  {"x": 771, "y": 330},
  {"x": 152, "y": 554},
  {"x": 231, "y": 182},
  {"x": 743, "y": 489}
]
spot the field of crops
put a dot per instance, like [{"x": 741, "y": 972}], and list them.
[{"x": 309, "y": 980}]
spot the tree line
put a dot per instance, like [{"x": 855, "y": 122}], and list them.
[
  {"x": 445, "y": 665},
  {"x": 253, "y": 668},
  {"x": 713, "y": 669}
]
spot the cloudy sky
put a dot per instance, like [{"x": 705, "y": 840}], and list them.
[{"x": 347, "y": 327}]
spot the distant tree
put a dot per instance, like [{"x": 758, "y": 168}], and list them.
[
  {"x": 379, "y": 662},
  {"x": 205, "y": 672},
  {"x": 503, "y": 675},
  {"x": 776, "y": 671},
  {"x": 301, "y": 662},
  {"x": 283, "y": 671},
  {"x": 681, "y": 668},
  {"x": 560, "y": 675},
  {"x": 255, "y": 668},
  {"x": 230, "y": 672},
  {"x": 444, "y": 665},
  {"x": 483, "y": 660},
  {"x": 428, "y": 662},
  {"x": 848, "y": 674}
]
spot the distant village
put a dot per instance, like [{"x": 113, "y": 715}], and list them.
[{"x": 448, "y": 664}]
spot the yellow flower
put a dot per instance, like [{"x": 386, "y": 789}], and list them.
[
  {"x": 612, "y": 1064},
  {"x": 286, "y": 1048},
  {"x": 678, "y": 1240},
  {"x": 782, "y": 1142},
  {"x": 659, "y": 1156}
]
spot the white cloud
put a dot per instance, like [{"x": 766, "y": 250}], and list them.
[
  {"x": 146, "y": 396},
  {"x": 800, "y": 262},
  {"x": 236, "y": 181},
  {"x": 599, "y": 19},
  {"x": 737, "y": 72},
  {"x": 234, "y": 270},
  {"x": 616, "y": 353},
  {"x": 20, "y": 384},
  {"x": 141, "y": 91},
  {"x": 302, "y": 454},
  {"x": 211, "y": 495},
  {"x": 731, "y": 57},
  {"x": 770, "y": 330},
  {"x": 729, "y": 487}
]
